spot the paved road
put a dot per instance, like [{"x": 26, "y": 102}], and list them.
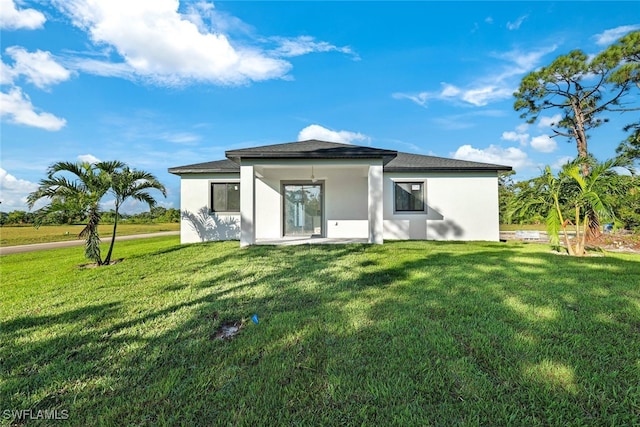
[{"x": 6, "y": 250}]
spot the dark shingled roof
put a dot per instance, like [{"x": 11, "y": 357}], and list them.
[
  {"x": 220, "y": 166},
  {"x": 313, "y": 149},
  {"x": 406, "y": 162}
]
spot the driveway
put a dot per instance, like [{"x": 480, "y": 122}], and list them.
[{"x": 6, "y": 250}]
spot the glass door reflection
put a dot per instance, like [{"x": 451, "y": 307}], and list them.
[{"x": 303, "y": 209}]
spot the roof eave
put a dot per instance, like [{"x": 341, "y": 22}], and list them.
[
  {"x": 184, "y": 171},
  {"x": 448, "y": 169}
]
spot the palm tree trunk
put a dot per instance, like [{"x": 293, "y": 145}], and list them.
[
  {"x": 593, "y": 226},
  {"x": 113, "y": 239},
  {"x": 566, "y": 240},
  {"x": 585, "y": 230}
]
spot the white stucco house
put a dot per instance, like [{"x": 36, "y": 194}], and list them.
[{"x": 337, "y": 191}]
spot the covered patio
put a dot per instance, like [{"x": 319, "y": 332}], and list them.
[{"x": 311, "y": 191}]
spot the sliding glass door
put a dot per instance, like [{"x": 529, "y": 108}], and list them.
[{"x": 302, "y": 209}]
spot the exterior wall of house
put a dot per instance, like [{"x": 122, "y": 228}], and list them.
[
  {"x": 198, "y": 223},
  {"x": 460, "y": 206},
  {"x": 346, "y": 206}
]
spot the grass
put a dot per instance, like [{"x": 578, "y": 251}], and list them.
[
  {"x": 27, "y": 234},
  {"x": 406, "y": 333}
]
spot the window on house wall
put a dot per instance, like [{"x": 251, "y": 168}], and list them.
[
  {"x": 409, "y": 197},
  {"x": 225, "y": 196}
]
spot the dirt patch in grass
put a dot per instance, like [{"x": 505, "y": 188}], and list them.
[
  {"x": 617, "y": 242},
  {"x": 95, "y": 265},
  {"x": 228, "y": 330}
]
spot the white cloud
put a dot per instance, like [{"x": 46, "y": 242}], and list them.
[
  {"x": 541, "y": 143},
  {"x": 622, "y": 171},
  {"x": 303, "y": 45},
  {"x": 323, "y": 134},
  {"x": 488, "y": 20},
  {"x": 544, "y": 144},
  {"x": 481, "y": 96},
  {"x": 159, "y": 45},
  {"x": 510, "y": 156},
  {"x": 517, "y": 23},
  {"x": 17, "y": 108},
  {"x": 419, "y": 98},
  {"x": 38, "y": 67},
  {"x": 609, "y": 36},
  {"x": 6, "y": 74},
  {"x": 490, "y": 88},
  {"x": 186, "y": 138},
  {"x": 14, "y": 191},
  {"x": 561, "y": 161},
  {"x": 102, "y": 68},
  {"x": 521, "y": 138},
  {"x": 196, "y": 13},
  {"x": 522, "y": 62},
  {"x": 89, "y": 158},
  {"x": 546, "y": 121},
  {"x": 478, "y": 96},
  {"x": 222, "y": 21},
  {"x": 12, "y": 18}
]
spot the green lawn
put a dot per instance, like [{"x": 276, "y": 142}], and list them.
[
  {"x": 28, "y": 234},
  {"x": 407, "y": 333}
]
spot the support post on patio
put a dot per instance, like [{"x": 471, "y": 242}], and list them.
[
  {"x": 247, "y": 206},
  {"x": 376, "y": 230}
]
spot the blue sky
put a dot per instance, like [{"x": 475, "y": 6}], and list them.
[{"x": 162, "y": 83}]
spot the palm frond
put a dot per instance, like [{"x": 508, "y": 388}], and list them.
[{"x": 553, "y": 227}]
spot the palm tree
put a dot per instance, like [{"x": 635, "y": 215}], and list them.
[
  {"x": 587, "y": 195},
  {"x": 571, "y": 194},
  {"x": 81, "y": 192},
  {"x": 126, "y": 183},
  {"x": 543, "y": 194}
]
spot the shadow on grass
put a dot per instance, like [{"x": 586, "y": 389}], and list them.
[{"x": 405, "y": 333}]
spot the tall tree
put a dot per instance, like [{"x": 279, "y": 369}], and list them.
[
  {"x": 80, "y": 186},
  {"x": 630, "y": 147},
  {"x": 126, "y": 183},
  {"x": 624, "y": 56},
  {"x": 626, "y": 52},
  {"x": 581, "y": 88}
]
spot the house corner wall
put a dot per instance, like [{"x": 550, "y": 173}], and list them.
[
  {"x": 197, "y": 222},
  {"x": 460, "y": 206}
]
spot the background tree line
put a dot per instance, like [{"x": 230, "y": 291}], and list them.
[{"x": 154, "y": 215}]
